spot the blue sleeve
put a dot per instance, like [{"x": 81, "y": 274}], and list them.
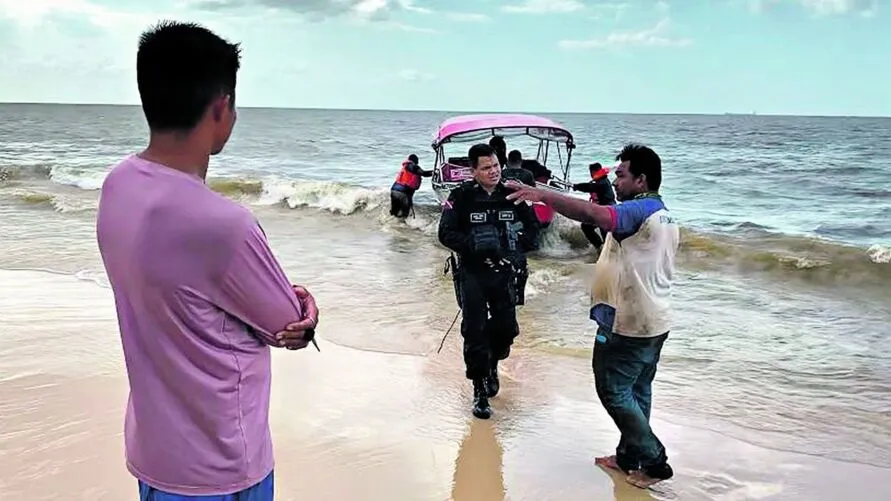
[{"x": 630, "y": 215}]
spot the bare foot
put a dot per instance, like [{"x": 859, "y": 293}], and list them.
[
  {"x": 607, "y": 462},
  {"x": 640, "y": 479}
]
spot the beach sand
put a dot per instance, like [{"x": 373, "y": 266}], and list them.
[{"x": 358, "y": 425}]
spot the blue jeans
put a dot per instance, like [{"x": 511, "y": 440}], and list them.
[
  {"x": 624, "y": 368},
  {"x": 261, "y": 491}
]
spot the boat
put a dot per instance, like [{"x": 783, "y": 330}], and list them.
[{"x": 548, "y": 138}]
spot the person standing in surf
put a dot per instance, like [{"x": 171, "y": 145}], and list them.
[
  {"x": 491, "y": 238},
  {"x": 404, "y": 187},
  {"x": 601, "y": 192},
  {"x": 200, "y": 297},
  {"x": 631, "y": 303}
]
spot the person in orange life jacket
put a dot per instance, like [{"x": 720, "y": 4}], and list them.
[
  {"x": 407, "y": 182},
  {"x": 601, "y": 191}
]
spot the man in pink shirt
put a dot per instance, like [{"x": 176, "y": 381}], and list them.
[{"x": 200, "y": 297}]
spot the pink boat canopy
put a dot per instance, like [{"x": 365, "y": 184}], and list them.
[{"x": 470, "y": 127}]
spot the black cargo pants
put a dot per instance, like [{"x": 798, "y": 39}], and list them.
[{"x": 489, "y": 323}]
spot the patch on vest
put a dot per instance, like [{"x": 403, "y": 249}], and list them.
[
  {"x": 477, "y": 217},
  {"x": 506, "y": 215}
]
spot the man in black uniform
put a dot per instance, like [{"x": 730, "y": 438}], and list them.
[{"x": 491, "y": 236}]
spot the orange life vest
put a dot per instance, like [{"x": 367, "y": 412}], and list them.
[
  {"x": 406, "y": 178},
  {"x": 597, "y": 175}
]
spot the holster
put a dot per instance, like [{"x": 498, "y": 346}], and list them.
[
  {"x": 453, "y": 266},
  {"x": 519, "y": 279}
]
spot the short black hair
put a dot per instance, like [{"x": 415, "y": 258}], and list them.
[
  {"x": 595, "y": 167},
  {"x": 497, "y": 142},
  {"x": 514, "y": 156},
  {"x": 478, "y": 151},
  {"x": 643, "y": 161},
  {"x": 180, "y": 69},
  {"x": 413, "y": 158}
]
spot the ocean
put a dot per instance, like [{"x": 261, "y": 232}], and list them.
[{"x": 782, "y": 302}]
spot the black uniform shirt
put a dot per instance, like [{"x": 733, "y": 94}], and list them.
[{"x": 469, "y": 207}]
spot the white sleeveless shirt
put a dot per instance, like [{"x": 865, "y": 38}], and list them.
[{"x": 635, "y": 271}]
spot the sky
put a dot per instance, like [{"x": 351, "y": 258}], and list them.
[{"x": 796, "y": 57}]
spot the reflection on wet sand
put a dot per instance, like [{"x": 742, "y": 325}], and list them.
[
  {"x": 478, "y": 465},
  {"x": 622, "y": 491}
]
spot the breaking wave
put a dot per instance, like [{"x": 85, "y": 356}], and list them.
[{"x": 749, "y": 248}]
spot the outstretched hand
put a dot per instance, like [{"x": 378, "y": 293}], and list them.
[{"x": 523, "y": 192}]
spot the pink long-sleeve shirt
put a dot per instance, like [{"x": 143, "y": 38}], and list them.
[{"x": 199, "y": 298}]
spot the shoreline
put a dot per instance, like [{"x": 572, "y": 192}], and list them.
[
  {"x": 354, "y": 424},
  {"x": 814, "y": 263}
]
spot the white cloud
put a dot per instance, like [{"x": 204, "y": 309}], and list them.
[
  {"x": 407, "y": 27},
  {"x": 544, "y": 7},
  {"x": 467, "y": 17},
  {"x": 473, "y": 17},
  {"x": 866, "y": 8},
  {"x": 415, "y": 76},
  {"x": 651, "y": 37},
  {"x": 31, "y": 13},
  {"x": 312, "y": 9},
  {"x": 370, "y": 8},
  {"x": 44, "y": 39},
  {"x": 410, "y": 6},
  {"x": 613, "y": 10},
  {"x": 837, "y": 7},
  {"x": 381, "y": 11}
]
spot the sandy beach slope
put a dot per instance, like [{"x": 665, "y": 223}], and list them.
[{"x": 359, "y": 425}]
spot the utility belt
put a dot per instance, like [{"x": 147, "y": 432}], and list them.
[{"x": 516, "y": 282}]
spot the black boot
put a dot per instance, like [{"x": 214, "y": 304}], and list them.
[
  {"x": 492, "y": 383},
  {"x": 481, "y": 407}
]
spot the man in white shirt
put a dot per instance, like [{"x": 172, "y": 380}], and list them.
[{"x": 630, "y": 303}]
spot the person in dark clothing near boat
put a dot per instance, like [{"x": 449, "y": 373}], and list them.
[
  {"x": 514, "y": 169},
  {"x": 407, "y": 183},
  {"x": 540, "y": 173},
  {"x": 601, "y": 192},
  {"x": 491, "y": 237},
  {"x": 497, "y": 143}
]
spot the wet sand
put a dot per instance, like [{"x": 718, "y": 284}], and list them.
[{"x": 351, "y": 424}]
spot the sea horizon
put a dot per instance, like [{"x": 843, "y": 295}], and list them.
[{"x": 467, "y": 112}]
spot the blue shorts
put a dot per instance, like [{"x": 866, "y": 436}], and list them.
[{"x": 259, "y": 492}]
